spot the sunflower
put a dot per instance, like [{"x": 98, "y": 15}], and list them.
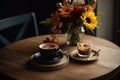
[{"x": 89, "y": 20}]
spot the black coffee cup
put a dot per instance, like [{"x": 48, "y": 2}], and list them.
[{"x": 48, "y": 50}]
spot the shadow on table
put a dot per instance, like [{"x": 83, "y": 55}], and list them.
[
  {"x": 114, "y": 75},
  {"x": 5, "y": 77},
  {"x": 83, "y": 62}
]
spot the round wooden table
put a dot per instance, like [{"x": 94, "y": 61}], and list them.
[{"x": 13, "y": 59}]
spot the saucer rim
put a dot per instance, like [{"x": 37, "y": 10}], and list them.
[
  {"x": 50, "y": 67},
  {"x": 75, "y": 52},
  {"x": 47, "y": 61}
]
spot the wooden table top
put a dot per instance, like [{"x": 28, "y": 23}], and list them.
[{"x": 13, "y": 59}]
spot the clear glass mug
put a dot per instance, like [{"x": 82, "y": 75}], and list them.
[{"x": 84, "y": 49}]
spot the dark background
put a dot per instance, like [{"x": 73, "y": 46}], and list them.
[{"x": 42, "y": 9}]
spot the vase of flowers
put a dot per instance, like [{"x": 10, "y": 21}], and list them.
[
  {"x": 70, "y": 16},
  {"x": 72, "y": 35}
]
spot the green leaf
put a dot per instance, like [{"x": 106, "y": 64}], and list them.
[{"x": 47, "y": 21}]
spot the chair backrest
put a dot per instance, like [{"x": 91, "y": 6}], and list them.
[{"x": 17, "y": 27}]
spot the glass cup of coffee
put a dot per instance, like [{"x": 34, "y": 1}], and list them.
[
  {"x": 83, "y": 49},
  {"x": 48, "y": 50}
]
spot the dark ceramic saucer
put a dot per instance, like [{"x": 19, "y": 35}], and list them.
[{"x": 47, "y": 60}]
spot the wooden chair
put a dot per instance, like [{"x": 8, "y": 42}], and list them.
[{"x": 17, "y": 27}]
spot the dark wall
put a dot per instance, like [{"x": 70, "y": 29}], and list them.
[{"x": 42, "y": 9}]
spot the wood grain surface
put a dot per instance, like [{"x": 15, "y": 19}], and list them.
[{"x": 14, "y": 58}]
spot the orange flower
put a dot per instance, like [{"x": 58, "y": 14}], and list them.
[
  {"x": 89, "y": 7},
  {"x": 65, "y": 11},
  {"x": 56, "y": 20}
]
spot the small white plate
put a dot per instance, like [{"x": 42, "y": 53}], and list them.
[{"x": 74, "y": 55}]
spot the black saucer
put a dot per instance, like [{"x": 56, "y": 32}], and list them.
[{"x": 38, "y": 58}]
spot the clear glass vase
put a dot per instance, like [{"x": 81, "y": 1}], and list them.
[{"x": 75, "y": 35}]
